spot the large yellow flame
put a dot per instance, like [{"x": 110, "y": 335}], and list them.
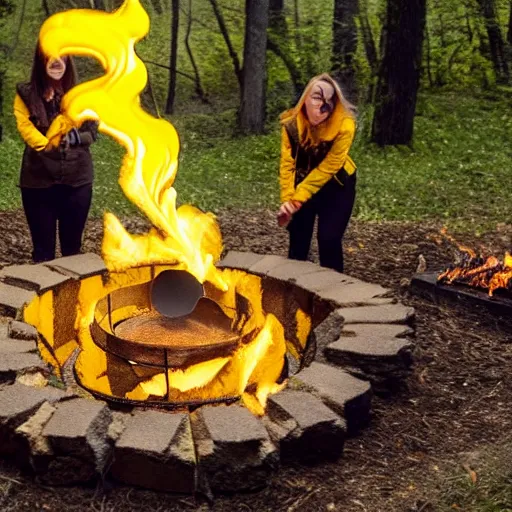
[
  {"x": 183, "y": 238},
  {"x": 150, "y": 164}
]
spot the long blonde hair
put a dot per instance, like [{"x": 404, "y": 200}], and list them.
[{"x": 347, "y": 108}]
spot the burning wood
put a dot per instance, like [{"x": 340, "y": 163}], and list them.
[{"x": 489, "y": 273}]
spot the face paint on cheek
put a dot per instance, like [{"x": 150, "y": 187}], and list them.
[{"x": 314, "y": 114}]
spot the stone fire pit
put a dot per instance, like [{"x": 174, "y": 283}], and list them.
[{"x": 56, "y": 429}]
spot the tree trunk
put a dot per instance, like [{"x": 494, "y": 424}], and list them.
[
  {"x": 8, "y": 7},
  {"x": 175, "y": 22},
  {"x": 429, "y": 56},
  {"x": 2, "y": 73},
  {"x": 509, "y": 32},
  {"x": 469, "y": 30},
  {"x": 496, "y": 43},
  {"x": 344, "y": 46},
  {"x": 296, "y": 23},
  {"x": 291, "y": 66},
  {"x": 278, "y": 42},
  {"x": 197, "y": 78},
  {"x": 442, "y": 30},
  {"x": 225, "y": 34},
  {"x": 157, "y": 6},
  {"x": 276, "y": 19},
  {"x": 252, "y": 108},
  {"x": 399, "y": 75},
  {"x": 370, "y": 48}
]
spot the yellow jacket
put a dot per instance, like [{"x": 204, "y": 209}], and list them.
[
  {"x": 338, "y": 130},
  {"x": 45, "y": 161},
  {"x": 29, "y": 133}
]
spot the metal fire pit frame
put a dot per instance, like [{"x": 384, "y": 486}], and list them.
[
  {"x": 145, "y": 354},
  {"x": 162, "y": 404},
  {"x": 427, "y": 285}
]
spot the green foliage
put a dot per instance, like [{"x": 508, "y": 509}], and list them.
[
  {"x": 458, "y": 170},
  {"x": 483, "y": 486},
  {"x": 6, "y": 9}
]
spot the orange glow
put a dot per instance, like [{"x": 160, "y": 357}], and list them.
[
  {"x": 181, "y": 238},
  {"x": 489, "y": 273}
]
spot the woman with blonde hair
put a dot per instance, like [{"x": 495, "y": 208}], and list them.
[{"x": 317, "y": 176}]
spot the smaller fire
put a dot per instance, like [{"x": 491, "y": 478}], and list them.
[{"x": 489, "y": 273}]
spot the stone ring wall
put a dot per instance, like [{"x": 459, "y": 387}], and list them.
[{"x": 57, "y": 431}]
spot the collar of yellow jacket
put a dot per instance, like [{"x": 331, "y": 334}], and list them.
[{"x": 325, "y": 131}]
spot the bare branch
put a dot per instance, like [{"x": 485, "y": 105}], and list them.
[
  {"x": 10, "y": 50},
  {"x": 198, "y": 86},
  {"x": 225, "y": 35}
]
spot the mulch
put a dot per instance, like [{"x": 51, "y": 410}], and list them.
[{"x": 456, "y": 403}]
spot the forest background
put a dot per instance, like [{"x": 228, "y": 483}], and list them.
[{"x": 431, "y": 80}]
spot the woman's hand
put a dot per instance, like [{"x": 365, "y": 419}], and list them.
[
  {"x": 59, "y": 127},
  {"x": 286, "y": 211}
]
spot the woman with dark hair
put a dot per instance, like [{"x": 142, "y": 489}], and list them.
[
  {"x": 56, "y": 171},
  {"x": 317, "y": 176}
]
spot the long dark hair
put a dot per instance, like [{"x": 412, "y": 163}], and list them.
[{"x": 40, "y": 81}]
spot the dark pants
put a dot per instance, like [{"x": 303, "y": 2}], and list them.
[
  {"x": 61, "y": 205},
  {"x": 333, "y": 205}
]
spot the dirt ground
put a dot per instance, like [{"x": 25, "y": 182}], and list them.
[{"x": 456, "y": 405}]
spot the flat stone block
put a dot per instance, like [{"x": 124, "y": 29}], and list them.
[
  {"x": 240, "y": 260},
  {"x": 233, "y": 448},
  {"x": 376, "y": 353},
  {"x": 78, "y": 266},
  {"x": 12, "y": 346},
  {"x": 13, "y": 299},
  {"x": 11, "y": 363},
  {"x": 350, "y": 294},
  {"x": 22, "y": 331},
  {"x": 313, "y": 432},
  {"x": 386, "y": 314},
  {"x": 17, "y": 399},
  {"x": 232, "y": 424},
  {"x": 17, "y": 404},
  {"x": 156, "y": 451},
  {"x": 291, "y": 270},
  {"x": 32, "y": 277},
  {"x": 327, "y": 332},
  {"x": 324, "y": 279},
  {"x": 372, "y": 347},
  {"x": 380, "y": 331},
  {"x": 79, "y": 428},
  {"x": 34, "y": 447},
  {"x": 266, "y": 264},
  {"x": 345, "y": 394}
]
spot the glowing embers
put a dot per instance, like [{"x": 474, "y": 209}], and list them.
[{"x": 476, "y": 271}]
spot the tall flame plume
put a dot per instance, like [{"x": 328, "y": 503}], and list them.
[
  {"x": 186, "y": 237},
  {"x": 183, "y": 238}
]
